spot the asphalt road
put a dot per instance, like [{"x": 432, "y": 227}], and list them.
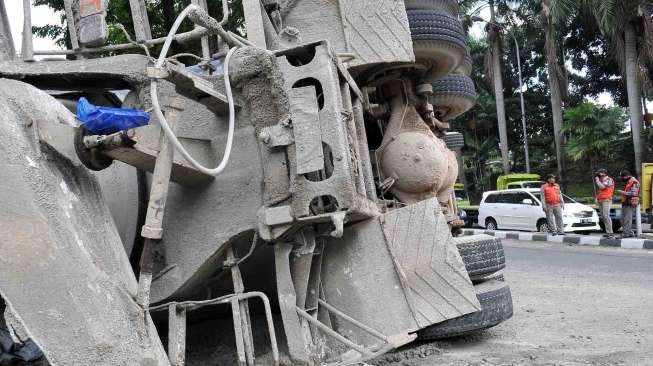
[{"x": 572, "y": 306}]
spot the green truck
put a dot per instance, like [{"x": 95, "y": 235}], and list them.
[{"x": 512, "y": 181}]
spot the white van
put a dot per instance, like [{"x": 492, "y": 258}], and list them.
[{"x": 521, "y": 209}]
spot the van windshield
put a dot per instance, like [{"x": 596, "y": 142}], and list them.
[
  {"x": 565, "y": 197},
  {"x": 533, "y": 184}
]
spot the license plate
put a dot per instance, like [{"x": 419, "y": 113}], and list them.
[{"x": 585, "y": 221}]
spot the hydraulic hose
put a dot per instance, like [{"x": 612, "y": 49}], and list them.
[{"x": 162, "y": 120}]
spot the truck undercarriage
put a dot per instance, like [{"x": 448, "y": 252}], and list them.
[{"x": 323, "y": 235}]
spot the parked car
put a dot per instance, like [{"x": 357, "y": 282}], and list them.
[{"x": 521, "y": 209}]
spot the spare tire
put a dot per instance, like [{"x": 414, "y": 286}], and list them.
[
  {"x": 496, "y": 304},
  {"x": 439, "y": 42},
  {"x": 483, "y": 255},
  {"x": 448, "y": 6},
  {"x": 453, "y": 95},
  {"x": 466, "y": 67},
  {"x": 454, "y": 140}
]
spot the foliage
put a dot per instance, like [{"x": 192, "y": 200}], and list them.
[
  {"x": 161, "y": 14},
  {"x": 592, "y": 131}
]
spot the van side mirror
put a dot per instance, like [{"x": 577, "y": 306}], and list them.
[{"x": 528, "y": 201}]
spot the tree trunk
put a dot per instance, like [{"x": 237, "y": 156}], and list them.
[
  {"x": 169, "y": 16},
  {"x": 498, "y": 93},
  {"x": 556, "y": 112},
  {"x": 634, "y": 94},
  {"x": 556, "y": 96}
]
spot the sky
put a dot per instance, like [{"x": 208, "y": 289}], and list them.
[{"x": 41, "y": 15}]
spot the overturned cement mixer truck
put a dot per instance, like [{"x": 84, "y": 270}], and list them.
[{"x": 287, "y": 199}]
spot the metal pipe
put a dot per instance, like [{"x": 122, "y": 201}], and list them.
[
  {"x": 353, "y": 321},
  {"x": 7, "y": 49},
  {"x": 192, "y": 305},
  {"x": 638, "y": 219},
  {"x": 152, "y": 231},
  {"x": 70, "y": 21},
  {"x": 180, "y": 38},
  {"x": 523, "y": 108},
  {"x": 339, "y": 337},
  {"x": 206, "y": 52},
  {"x": 140, "y": 20},
  {"x": 28, "y": 49}
]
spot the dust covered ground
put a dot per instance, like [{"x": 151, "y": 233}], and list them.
[{"x": 572, "y": 306}]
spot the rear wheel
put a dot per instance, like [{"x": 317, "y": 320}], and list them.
[
  {"x": 496, "y": 307},
  {"x": 449, "y": 6},
  {"x": 491, "y": 224},
  {"x": 453, "y": 95},
  {"x": 482, "y": 255},
  {"x": 439, "y": 42}
]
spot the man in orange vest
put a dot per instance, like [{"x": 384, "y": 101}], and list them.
[
  {"x": 604, "y": 196},
  {"x": 553, "y": 204},
  {"x": 629, "y": 202}
]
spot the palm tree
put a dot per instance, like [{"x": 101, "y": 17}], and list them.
[
  {"x": 620, "y": 20},
  {"x": 494, "y": 74},
  {"x": 556, "y": 83},
  {"x": 495, "y": 57},
  {"x": 593, "y": 131}
]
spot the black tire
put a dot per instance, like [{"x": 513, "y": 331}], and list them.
[
  {"x": 496, "y": 304},
  {"x": 493, "y": 277},
  {"x": 439, "y": 42},
  {"x": 542, "y": 226},
  {"x": 482, "y": 255},
  {"x": 466, "y": 67},
  {"x": 448, "y": 6},
  {"x": 454, "y": 140},
  {"x": 453, "y": 95},
  {"x": 491, "y": 224}
]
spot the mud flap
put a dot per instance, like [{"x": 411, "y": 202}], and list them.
[
  {"x": 397, "y": 273},
  {"x": 63, "y": 270}
]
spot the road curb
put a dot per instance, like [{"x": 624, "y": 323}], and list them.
[{"x": 567, "y": 239}]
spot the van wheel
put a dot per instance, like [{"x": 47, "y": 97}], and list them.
[
  {"x": 542, "y": 226},
  {"x": 491, "y": 224}
]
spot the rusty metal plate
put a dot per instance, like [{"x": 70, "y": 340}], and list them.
[
  {"x": 306, "y": 128},
  {"x": 439, "y": 287}
]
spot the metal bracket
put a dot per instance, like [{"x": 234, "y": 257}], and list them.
[
  {"x": 197, "y": 87},
  {"x": 177, "y": 327}
]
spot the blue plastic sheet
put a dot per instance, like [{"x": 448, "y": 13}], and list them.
[{"x": 105, "y": 120}]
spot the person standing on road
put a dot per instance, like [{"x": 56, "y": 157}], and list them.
[
  {"x": 553, "y": 205},
  {"x": 629, "y": 202},
  {"x": 604, "y": 196}
]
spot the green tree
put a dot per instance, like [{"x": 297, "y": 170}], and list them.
[
  {"x": 629, "y": 26},
  {"x": 592, "y": 132},
  {"x": 557, "y": 84},
  {"x": 161, "y": 14}
]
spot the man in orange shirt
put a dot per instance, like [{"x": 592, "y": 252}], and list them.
[
  {"x": 629, "y": 202},
  {"x": 553, "y": 205},
  {"x": 605, "y": 185}
]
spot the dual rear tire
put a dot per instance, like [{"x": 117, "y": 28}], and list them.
[{"x": 484, "y": 259}]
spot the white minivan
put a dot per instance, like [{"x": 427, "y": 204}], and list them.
[{"x": 521, "y": 209}]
